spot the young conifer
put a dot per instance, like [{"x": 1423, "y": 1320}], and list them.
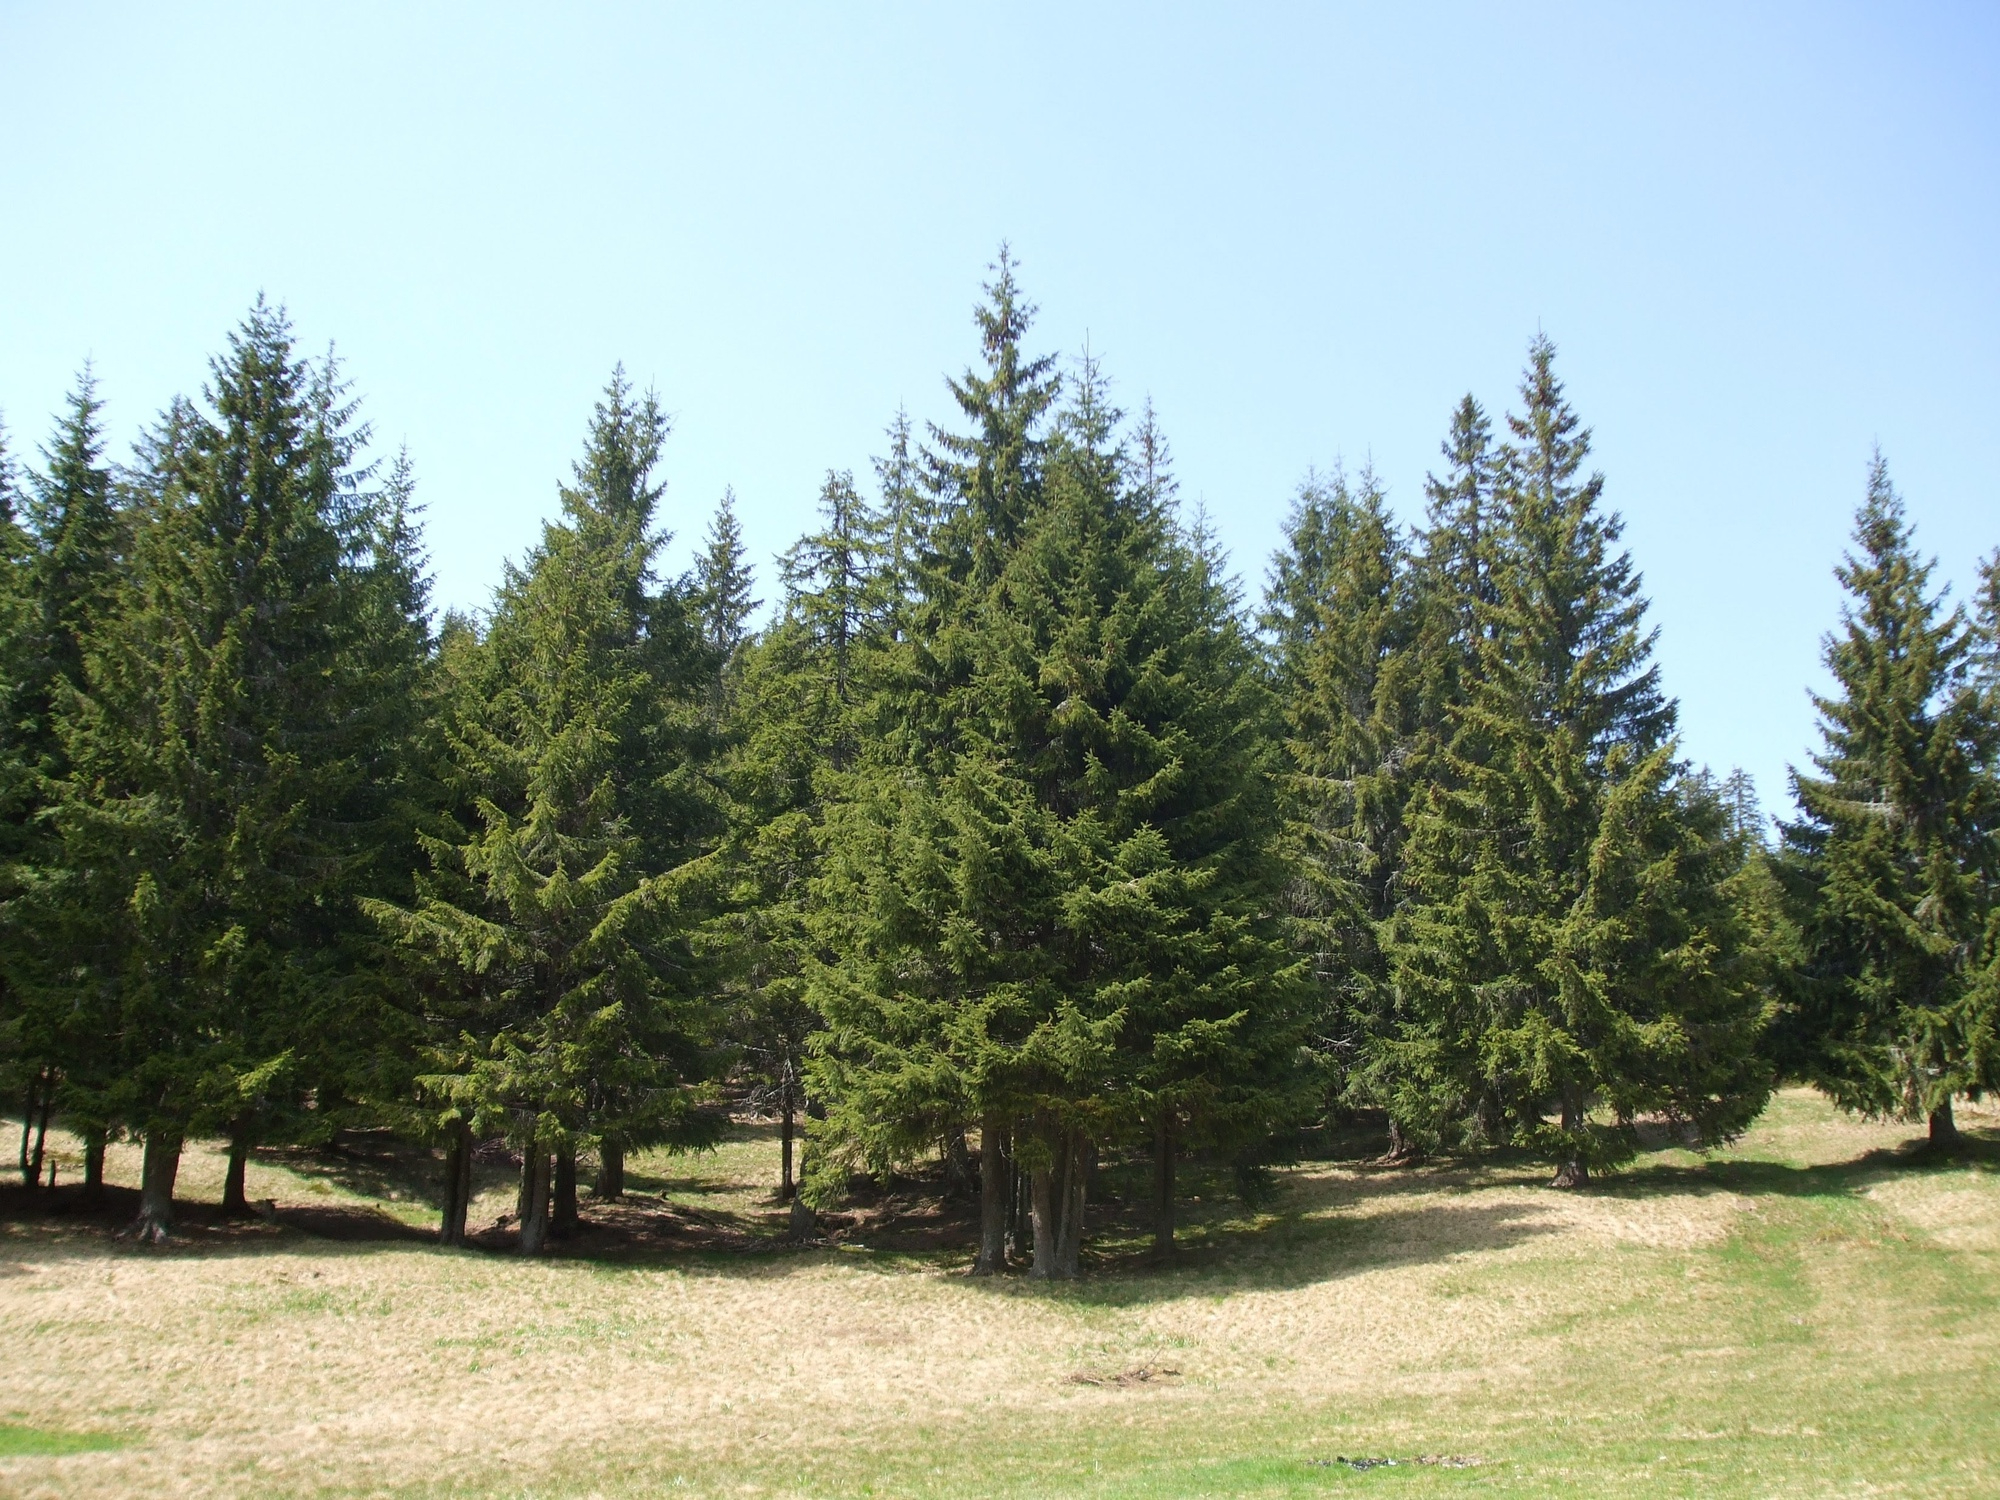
[{"x": 1891, "y": 856}]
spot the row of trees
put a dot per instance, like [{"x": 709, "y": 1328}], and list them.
[{"x": 1010, "y": 826}]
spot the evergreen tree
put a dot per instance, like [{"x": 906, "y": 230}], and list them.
[
  {"x": 573, "y": 908},
  {"x": 723, "y": 582},
  {"x": 219, "y": 750},
  {"x": 1341, "y": 624},
  {"x": 1568, "y": 946},
  {"x": 1890, "y": 857},
  {"x": 72, "y": 571},
  {"x": 1059, "y": 929}
]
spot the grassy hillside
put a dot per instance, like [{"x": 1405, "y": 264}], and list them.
[{"x": 1812, "y": 1312}]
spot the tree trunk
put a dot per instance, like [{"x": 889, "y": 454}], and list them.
[
  {"x": 234, "y": 1204},
  {"x": 995, "y": 1181},
  {"x": 526, "y": 1194},
  {"x": 535, "y": 1190},
  {"x": 1573, "y": 1171},
  {"x": 93, "y": 1162},
  {"x": 610, "y": 1185},
  {"x": 1020, "y": 1208},
  {"x": 1401, "y": 1153},
  {"x": 1944, "y": 1128},
  {"x": 562, "y": 1211},
  {"x": 787, "y": 1126},
  {"x": 457, "y": 1186},
  {"x": 31, "y": 1166},
  {"x": 1163, "y": 1190},
  {"x": 155, "y": 1223},
  {"x": 957, "y": 1163},
  {"x": 1069, "y": 1237},
  {"x": 1045, "y": 1195}
]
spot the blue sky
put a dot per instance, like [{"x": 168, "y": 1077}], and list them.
[{"x": 1763, "y": 238}]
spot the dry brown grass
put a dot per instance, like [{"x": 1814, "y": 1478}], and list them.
[{"x": 1436, "y": 1306}]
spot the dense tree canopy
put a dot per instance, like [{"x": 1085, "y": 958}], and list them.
[{"x": 1011, "y": 844}]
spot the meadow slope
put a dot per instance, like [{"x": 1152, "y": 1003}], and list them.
[{"x": 1811, "y": 1312}]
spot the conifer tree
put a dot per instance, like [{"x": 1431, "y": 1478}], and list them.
[
  {"x": 573, "y": 908},
  {"x": 724, "y": 583},
  {"x": 217, "y": 749},
  {"x": 1891, "y": 856},
  {"x": 1568, "y": 947}
]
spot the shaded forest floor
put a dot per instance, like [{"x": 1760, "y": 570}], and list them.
[{"x": 1815, "y": 1310}]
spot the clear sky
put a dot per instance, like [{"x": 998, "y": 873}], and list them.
[{"x": 1763, "y": 238}]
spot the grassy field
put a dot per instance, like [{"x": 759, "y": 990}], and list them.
[{"x": 1811, "y": 1313}]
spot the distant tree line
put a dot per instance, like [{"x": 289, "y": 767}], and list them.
[{"x": 1013, "y": 837}]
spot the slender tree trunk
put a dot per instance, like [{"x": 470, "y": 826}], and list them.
[
  {"x": 1573, "y": 1171},
  {"x": 562, "y": 1210},
  {"x": 1944, "y": 1128},
  {"x": 957, "y": 1163},
  {"x": 525, "y": 1196},
  {"x": 995, "y": 1181},
  {"x": 1163, "y": 1190},
  {"x": 535, "y": 1189},
  {"x": 610, "y": 1186},
  {"x": 30, "y": 1178},
  {"x": 42, "y": 1129},
  {"x": 1020, "y": 1209},
  {"x": 457, "y": 1186},
  {"x": 787, "y": 1125},
  {"x": 155, "y": 1223},
  {"x": 1045, "y": 1194},
  {"x": 234, "y": 1203},
  {"x": 1076, "y": 1181},
  {"x": 93, "y": 1162}
]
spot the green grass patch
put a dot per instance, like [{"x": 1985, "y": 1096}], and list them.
[{"x": 19, "y": 1441}]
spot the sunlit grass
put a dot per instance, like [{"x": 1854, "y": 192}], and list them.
[{"x": 1813, "y": 1311}]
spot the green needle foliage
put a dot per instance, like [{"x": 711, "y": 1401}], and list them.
[
  {"x": 1891, "y": 861},
  {"x": 570, "y": 908}
]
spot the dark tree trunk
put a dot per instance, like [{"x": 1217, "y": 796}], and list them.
[
  {"x": 995, "y": 1184},
  {"x": 1069, "y": 1241},
  {"x": 1163, "y": 1190},
  {"x": 1572, "y": 1171},
  {"x": 457, "y": 1186},
  {"x": 1944, "y": 1127},
  {"x": 1045, "y": 1193},
  {"x": 535, "y": 1189},
  {"x": 1401, "y": 1153},
  {"x": 1020, "y": 1208},
  {"x": 234, "y": 1204},
  {"x": 562, "y": 1208},
  {"x": 787, "y": 1128},
  {"x": 155, "y": 1223},
  {"x": 525, "y": 1196},
  {"x": 31, "y": 1158},
  {"x": 1058, "y": 1196},
  {"x": 610, "y": 1186},
  {"x": 1492, "y": 1121},
  {"x": 957, "y": 1164},
  {"x": 93, "y": 1162}
]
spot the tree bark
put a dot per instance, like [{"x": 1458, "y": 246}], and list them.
[
  {"x": 610, "y": 1185},
  {"x": 1163, "y": 1190},
  {"x": 1045, "y": 1195},
  {"x": 995, "y": 1181},
  {"x": 31, "y": 1164},
  {"x": 1944, "y": 1127},
  {"x": 535, "y": 1190},
  {"x": 1076, "y": 1183},
  {"x": 787, "y": 1127},
  {"x": 93, "y": 1162},
  {"x": 155, "y": 1224},
  {"x": 563, "y": 1220},
  {"x": 957, "y": 1163},
  {"x": 1020, "y": 1208},
  {"x": 1573, "y": 1171},
  {"x": 457, "y": 1186},
  {"x": 234, "y": 1204}
]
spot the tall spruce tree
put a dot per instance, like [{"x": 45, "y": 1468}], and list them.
[
  {"x": 219, "y": 748},
  {"x": 1341, "y": 626},
  {"x": 1891, "y": 856},
  {"x": 1568, "y": 947},
  {"x": 1055, "y": 923},
  {"x": 574, "y": 907}
]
